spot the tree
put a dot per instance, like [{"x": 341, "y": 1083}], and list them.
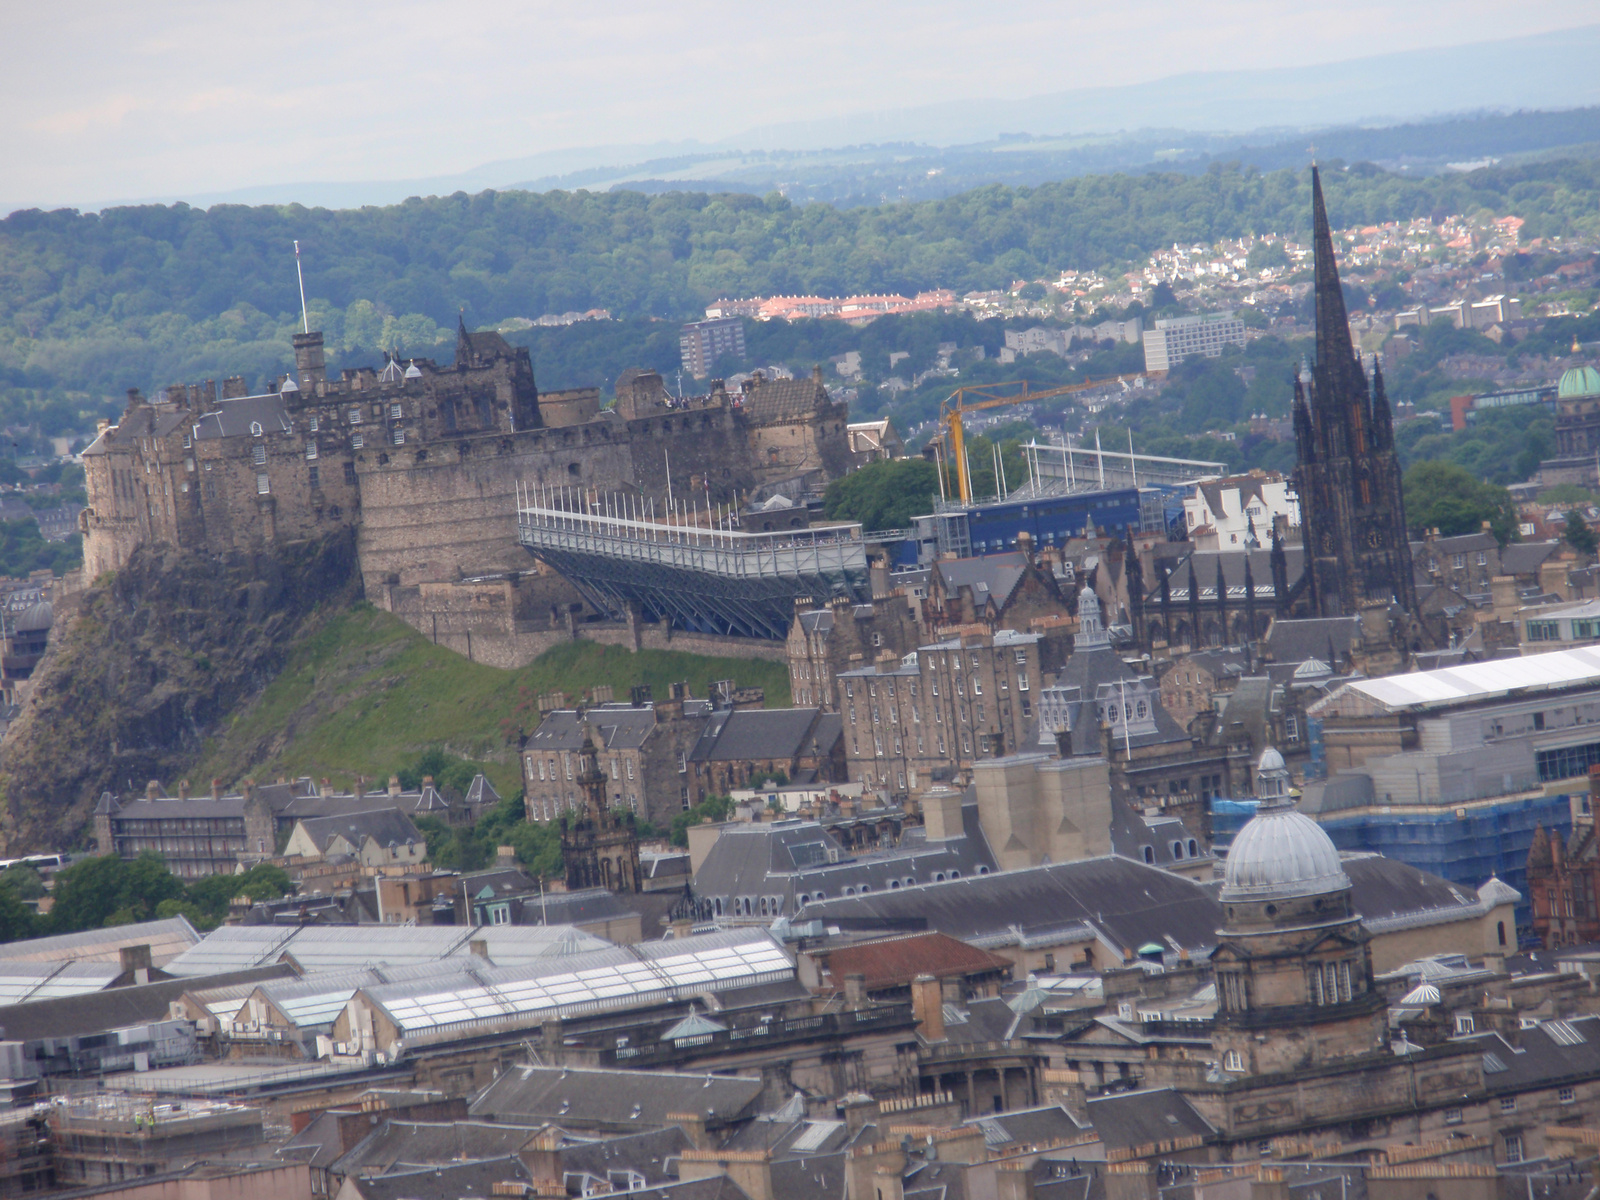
[
  {"x": 1446, "y": 497},
  {"x": 714, "y": 808},
  {"x": 883, "y": 495},
  {"x": 109, "y": 890},
  {"x": 1578, "y": 534}
]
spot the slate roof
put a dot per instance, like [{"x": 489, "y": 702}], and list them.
[
  {"x": 619, "y": 727},
  {"x": 395, "y": 1144},
  {"x": 1525, "y": 558},
  {"x": 990, "y": 576},
  {"x": 166, "y": 938},
  {"x": 94, "y": 1012},
  {"x": 579, "y": 1097},
  {"x": 645, "y": 1152},
  {"x": 1298, "y": 640},
  {"x": 789, "y": 859},
  {"x": 1027, "y": 1127},
  {"x": 233, "y": 418},
  {"x": 447, "y": 1181},
  {"x": 575, "y": 908},
  {"x": 388, "y": 827},
  {"x": 481, "y": 791},
  {"x": 1126, "y": 901},
  {"x": 1387, "y": 891},
  {"x": 739, "y": 735},
  {"x": 1139, "y": 1118},
  {"x": 1205, "y": 571},
  {"x": 1552, "y": 1052}
]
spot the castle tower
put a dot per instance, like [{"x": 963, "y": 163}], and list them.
[
  {"x": 598, "y": 843},
  {"x": 1347, "y": 474},
  {"x": 310, "y": 366},
  {"x": 1293, "y": 967}
]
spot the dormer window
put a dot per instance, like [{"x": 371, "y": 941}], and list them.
[{"x": 255, "y": 428}]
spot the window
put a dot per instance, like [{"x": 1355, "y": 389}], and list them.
[
  {"x": 313, "y": 477},
  {"x": 1022, "y": 657},
  {"x": 357, "y": 441},
  {"x": 255, "y": 429},
  {"x": 1544, "y": 631},
  {"x": 1508, "y": 1104},
  {"x": 1464, "y": 1023},
  {"x": 350, "y": 474},
  {"x": 1567, "y": 1095},
  {"x": 877, "y": 639},
  {"x": 541, "y": 768},
  {"x": 262, "y": 487},
  {"x": 355, "y": 415},
  {"x": 1291, "y": 727},
  {"x": 258, "y": 455},
  {"x": 1513, "y": 1143},
  {"x": 977, "y": 686},
  {"x": 1452, "y": 1116},
  {"x": 399, "y": 437},
  {"x": 1483, "y": 558},
  {"x": 1233, "y": 1061},
  {"x": 313, "y": 423},
  {"x": 311, "y": 450},
  {"x": 683, "y": 766},
  {"x": 395, "y": 412},
  {"x": 1022, "y": 681},
  {"x": 1460, "y": 561}
]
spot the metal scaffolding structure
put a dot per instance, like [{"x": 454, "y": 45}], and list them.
[
  {"x": 1054, "y": 469},
  {"x": 681, "y": 567}
]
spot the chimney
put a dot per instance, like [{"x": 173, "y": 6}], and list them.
[
  {"x": 394, "y": 785},
  {"x": 927, "y": 1006},
  {"x": 694, "y": 1128},
  {"x": 858, "y": 1111},
  {"x": 326, "y": 789},
  {"x": 216, "y": 788},
  {"x": 505, "y": 856},
  {"x": 136, "y": 962},
  {"x": 183, "y": 789},
  {"x": 248, "y": 790},
  {"x": 941, "y": 814},
  {"x": 479, "y": 948},
  {"x": 855, "y": 991},
  {"x": 152, "y": 790},
  {"x": 359, "y": 788}
]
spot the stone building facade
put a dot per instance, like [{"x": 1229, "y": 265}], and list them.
[
  {"x": 598, "y": 842},
  {"x": 913, "y": 722},
  {"x": 823, "y": 642},
  {"x": 424, "y": 461}
]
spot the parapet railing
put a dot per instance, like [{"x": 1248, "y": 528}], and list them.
[{"x": 566, "y": 521}]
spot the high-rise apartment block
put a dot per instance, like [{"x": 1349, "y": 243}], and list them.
[
  {"x": 703, "y": 342},
  {"x": 1177, "y": 338}
]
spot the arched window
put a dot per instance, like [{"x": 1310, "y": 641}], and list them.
[
  {"x": 1149, "y": 854},
  {"x": 1177, "y": 849},
  {"x": 1194, "y": 848},
  {"x": 1500, "y": 930}
]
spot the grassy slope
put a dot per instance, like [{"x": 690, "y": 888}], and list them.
[{"x": 365, "y": 693}]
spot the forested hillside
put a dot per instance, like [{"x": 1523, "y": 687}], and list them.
[{"x": 90, "y": 304}]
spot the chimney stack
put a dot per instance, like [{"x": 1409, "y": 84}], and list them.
[
  {"x": 136, "y": 962},
  {"x": 927, "y": 1006},
  {"x": 326, "y": 790},
  {"x": 216, "y": 788},
  {"x": 152, "y": 790},
  {"x": 394, "y": 785},
  {"x": 183, "y": 789}
]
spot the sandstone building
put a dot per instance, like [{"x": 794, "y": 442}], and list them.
[{"x": 424, "y": 461}]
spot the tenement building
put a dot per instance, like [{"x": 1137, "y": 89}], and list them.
[{"x": 423, "y": 461}]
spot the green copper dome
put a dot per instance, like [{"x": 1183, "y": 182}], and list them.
[{"x": 1580, "y": 381}]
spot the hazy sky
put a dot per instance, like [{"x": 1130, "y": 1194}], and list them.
[{"x": 106, "y": 100}]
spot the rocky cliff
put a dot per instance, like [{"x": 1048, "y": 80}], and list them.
[{"x": 148, "y": 664}]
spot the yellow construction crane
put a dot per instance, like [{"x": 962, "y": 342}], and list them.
[{"x": 990, "y": 395}]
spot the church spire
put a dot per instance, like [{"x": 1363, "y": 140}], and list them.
[
  {"x": 1382, "y": 418},
  {"x": 1334, "y": 348}
]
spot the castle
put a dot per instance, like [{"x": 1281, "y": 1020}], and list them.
[{"x": 422, "y": 462}]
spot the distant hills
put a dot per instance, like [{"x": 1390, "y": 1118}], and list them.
[{"x": 1418, "y": 110}]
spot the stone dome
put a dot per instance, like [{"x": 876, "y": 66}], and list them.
[
  {"x": 1280, "y": 855},
  {"x": 1580, "y": 381},
  {"x": 1270, "y": 760}
]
